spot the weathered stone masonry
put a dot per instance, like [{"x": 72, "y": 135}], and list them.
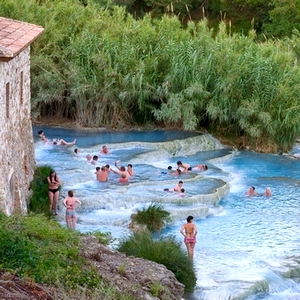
[{"x": 16, "y": 140}]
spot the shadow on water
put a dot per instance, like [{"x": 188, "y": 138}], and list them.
[{"x": 87, "y": 138}]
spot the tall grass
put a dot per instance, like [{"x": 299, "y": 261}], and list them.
[
  {"x": 102, "y": 67},
  {"x": 39, "y": 248},
  {"x": 164, "y": 251},
  {"x": 39, "y": 201},
  {"x": 154, "y": 217}
]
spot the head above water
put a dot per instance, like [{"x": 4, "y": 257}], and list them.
[
  {"x": 179, "y": 163},
  {"x": 178, "y": 171},
  {"x": 70, "y": 193},
  {"x": 169, "y": 167}
]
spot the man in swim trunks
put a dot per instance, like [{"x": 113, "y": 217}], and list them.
[
  {"x": 70, "y": 202},
  {"x": 185, "y": 167}
]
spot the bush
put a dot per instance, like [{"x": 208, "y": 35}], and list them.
[
  {"x": 39, "y": 248},
  {"x": 154, "y": 217},
  {"x": 164, "y": 251},
  {"x": 39, "y": 202}
]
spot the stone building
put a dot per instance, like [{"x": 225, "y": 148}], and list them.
[{"x": 17, "y": 161}]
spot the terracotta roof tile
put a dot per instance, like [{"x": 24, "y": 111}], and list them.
[{"x": 16, "y": 36}]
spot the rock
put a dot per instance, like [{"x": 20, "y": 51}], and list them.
[
  {"x": 134, "y": 276},
  {"x": 140, "y": 278}
]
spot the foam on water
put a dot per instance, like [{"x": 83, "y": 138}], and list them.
[{"x": 244, "y": 244}]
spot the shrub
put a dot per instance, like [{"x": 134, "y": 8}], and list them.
[
  {"x": 164, "y": 251},
  {"x": 39, "y": 248},
  {"x": 39, "y": 202},
  {"x": 154, "y": 217}
]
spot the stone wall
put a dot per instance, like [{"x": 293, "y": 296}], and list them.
[{"x": 16, "y": 139}]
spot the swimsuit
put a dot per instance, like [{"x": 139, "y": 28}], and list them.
[
  {"x": 190, "y": 240},
  {"x": 71, "y": 213},
  {"x": 189, "y": 169},
  {"x": 53, "y": 191}
]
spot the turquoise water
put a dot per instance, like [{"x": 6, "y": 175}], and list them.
[{"x": 245, "y": 244}]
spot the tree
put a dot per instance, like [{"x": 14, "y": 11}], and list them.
[{"x": 284, "y": 17}]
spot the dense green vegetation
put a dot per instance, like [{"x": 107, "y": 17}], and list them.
[
  {"x": 165, "y": 251},
  {"x": 102, "y": 67},
  {"x": 267, "y": 17},
  {"x": 39, "y": 248},
  {"x": 39, "y": 201},
  {"x": 154, "y": 217}
]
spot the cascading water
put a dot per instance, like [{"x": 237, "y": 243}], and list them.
[{"x": 247, "y": 247}]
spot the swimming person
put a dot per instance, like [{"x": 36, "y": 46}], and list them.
[
  {"x": 130, "y": 170},
  {"x": 104, "y": 150},
  {"x": 123, "y": 178},
  {"x": 94, "y": 161},
  {"x": 53, "y": 190},
  {"x": 176, "y": 172},
  {"x": 189, "y": 231},
  {"x": 268, "y": 192},
  {"x": 69, "y": 202},
  {"x": 59, "y": 142},
  {"x": 121, "y": 170},
  {"x": 251, "y": 191},
  {"x": 42, "y": 136},
  {"x": 201, "y": 167},
  {"x": 177, "y": 188},
  {"x": 182, "y": 191},
  {"x": 101, "y": 174},
  {"x": 183, "y": 166}
]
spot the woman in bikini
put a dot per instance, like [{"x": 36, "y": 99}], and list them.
[
  {"x": 189, "y": 231},
  {"x": 69, "y": 202},
  {"x": 53, "y": 190}
]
